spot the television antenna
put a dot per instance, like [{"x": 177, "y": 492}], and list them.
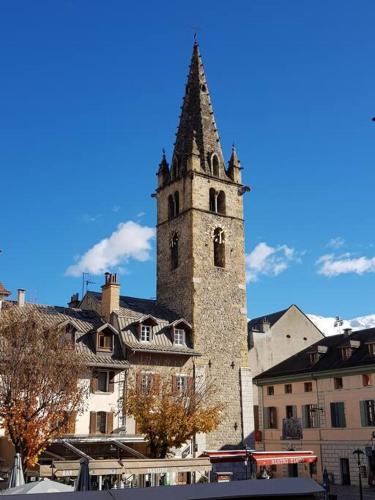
[{"x": 86, "y": 281}]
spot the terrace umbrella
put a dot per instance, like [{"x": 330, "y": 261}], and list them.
[
  {"x": 43, "y": 486},
  {"x": 83, "y": 482},
  {"x": 16, "y": 472}
]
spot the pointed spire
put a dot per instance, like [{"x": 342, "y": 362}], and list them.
[
  {"x": 234, "y": 166},
  {"x": 197, "y": 118},
  {"x": 163, "y": 172}
]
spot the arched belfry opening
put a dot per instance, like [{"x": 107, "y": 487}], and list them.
[
  {"x": 217, "y": 201},
  {"x": 221, "y": 203},
  {"x": 215, "y": 165},
  {"x": 219, "y": 247}
]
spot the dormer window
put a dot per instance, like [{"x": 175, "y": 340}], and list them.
[
  {"x": 146, "y": 333},
  {"x": 179, "y": 337},
  {"x": 105, "y": 341},
  {"x": 371, "y": 349},
  {"x": 313, "y": 357},
  {"x": 346, "y": 352}
]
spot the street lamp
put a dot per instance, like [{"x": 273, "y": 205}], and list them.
[{"x": 359, "y": 452}]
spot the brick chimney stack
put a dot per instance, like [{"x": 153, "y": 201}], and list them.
[
  {"x": 110, "y": 296},
  {"x": 21, "y": 297}
]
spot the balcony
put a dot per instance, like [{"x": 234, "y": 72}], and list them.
[{"x": 292, "y": 429}]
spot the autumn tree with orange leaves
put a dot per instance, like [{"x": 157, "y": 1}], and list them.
[
  {"x": 170, "y": 416},
  {"x": 40, "y": 391}
]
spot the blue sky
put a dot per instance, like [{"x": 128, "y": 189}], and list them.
[{"x": 90, "y": 93}]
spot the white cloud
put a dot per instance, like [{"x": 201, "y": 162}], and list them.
[
  {"x": 334, "y": 265},
  {"x": 269, "y": 261},
  {"x": 337, "y": 242},
  {"x": 129, "y": 241}
]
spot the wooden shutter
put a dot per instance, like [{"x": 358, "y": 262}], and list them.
[
  {"x": 190, "y": 385},
  {"x": 362, "y": 407},
  {"x": 256, "y": 417},
  {"x": 274, "y": 417},
  {"x": 174, "y": 384},
  {"x": 266, "y": 420},
  {"x": 333, "y": 415},
  {"x": 305, "y": 418},
  {"x": 109, "y": 422},
  {"x": 111, "y": 382},
  {"x": 94, "y": 382},
  {"x": 71, "y": 428},
  {"x": 341, "y": 414},
  {"x": 156, "y": 382},
  {"x": 92, "y": 422}
]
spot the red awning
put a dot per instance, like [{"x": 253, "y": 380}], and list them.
[{"x": 283, "y": 457}]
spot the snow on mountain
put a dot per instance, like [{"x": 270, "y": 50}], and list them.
[{"x": 326, "y": 325}]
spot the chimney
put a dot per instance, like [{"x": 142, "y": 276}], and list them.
[
  {"x": 110, "y": 296},
  {"x": 74, "y": 301},
  {"x": 347, "y": 331},
  {"x": 21, "y": 297},
  {"x": 265, "y": 325}
]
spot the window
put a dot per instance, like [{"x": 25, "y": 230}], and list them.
[
  {"x": 146, "y": 382},
  {"x": 179, "y": 336},
  {"x": 181, "y": 383},
  {"x": 367, "y": 409},
  {"x": 215, "y": 165},
  {"x": 101, "y": 422},
  {"x": 310, "y": 416},
  {"x": 288, "y": 389},
  {"x": 338, "y": 383},
  {"x": 371, "y": 349},
  {"x": 338, "y": 415},
  {"x": 221, "y": 203},
  {"x": 174, "y": 251},
  {"x": 105, "y": 341},
  {"x": 146, "y": 332},
  {"x": 219, "y": 247},
  {"x": 308, "y": 386},
  {"x": 270, "y": 417},
  {"x": 212, "y": 200},
  {"x": 270, "y": 390},
  {"x": 176, "y": 203},
  {"x": 174, "y": 169},
  {"x": 102, "y": 381},
  {"x": 170, "y": 207},
  {"x": 313, "y": 357},
  {"x": 291, "y": 411},
  {"x": 346, "y": 352},
  {"x": 366, "y": 380}
]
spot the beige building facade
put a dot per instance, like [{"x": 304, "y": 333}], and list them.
[{"x": 323, "y": 399}]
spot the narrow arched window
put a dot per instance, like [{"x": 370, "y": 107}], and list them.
[
  {"x": 221, "y": 203},
  {"x": 174, "y": 251},
  {"x": 219, "y": 247},
  {"x": 170, "y": 207},
  {"x": 212, "y": 200},
  {"x": 215, "y": 165},
  {"x": 176, "y": 203}
]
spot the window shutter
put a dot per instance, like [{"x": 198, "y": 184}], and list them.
[
  {"x": 174, "y": 384},
  {"x": 304, "y": 416},
  {"x": 190, "y": 385},
  {"x": 362, "y": 407},
  {"x": 156, "y": 382},
  {"x": 92, "y": 422},
  {"x": 275, "y": 421},
  {"x": 94, "y": 382},
  {"x": 111, "y": 382},
  {"x": 72, "y": 422},
  {"x": 294, "y": 411},
  {"x": 333, "y": 415},
  {"x": 341, "y": 413},
  {"x": 109, "y": 422},
  {"x": 266, "y": 420}
]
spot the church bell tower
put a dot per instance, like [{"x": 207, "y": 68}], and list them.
[{"x": 201, "y": 256}]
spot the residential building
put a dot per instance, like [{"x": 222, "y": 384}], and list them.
[
  {"x": 322, "y": 399},
  {"x": 275, "y": 337}
]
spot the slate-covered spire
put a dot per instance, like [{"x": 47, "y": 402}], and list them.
[
  {"x": 197, "y": 119},
  {"x": 163, "y": 171}
]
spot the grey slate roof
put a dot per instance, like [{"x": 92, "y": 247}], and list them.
[
  {"x": 132, "y": 309},
  {"x": 255, "y": 323},
  {"x": 86, "y": 324},
  {"x": 300, "y": 364}
]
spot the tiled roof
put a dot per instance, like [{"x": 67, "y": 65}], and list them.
[
  {"x": 132, "y": 309},
  {"x": 300, "y": 363},
  {"x": 3, "y": 291},
  {"x": 86, "y": 323},
  {"x": 255, "y": 323}
]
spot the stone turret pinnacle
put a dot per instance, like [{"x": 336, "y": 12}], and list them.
[
  {"x": 197, "y": 120},
  {"x": 234, "y": 166}
]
